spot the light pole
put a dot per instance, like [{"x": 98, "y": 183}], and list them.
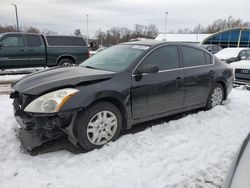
[
  {"x": 87, "y": 27},
  {"x": 17, "y": 25},
  {"x": 166, "y": 16}
]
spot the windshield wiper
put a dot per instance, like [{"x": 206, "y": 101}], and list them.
[{"x": 90, "y": 67}]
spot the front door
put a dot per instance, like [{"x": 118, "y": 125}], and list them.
[
  {"x": 13, "y": 52},
  {"x": 156, "y": 93}
]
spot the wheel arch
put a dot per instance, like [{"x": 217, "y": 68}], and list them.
[
  {"x": 223, "y": 83},
  {"x": 66, "y": 56},
  {"x": 119, "y": 104}
]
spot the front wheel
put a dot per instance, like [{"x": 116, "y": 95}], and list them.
[
  {"x": 216, "y": 96},
  {"x": 98, "y": 125}
]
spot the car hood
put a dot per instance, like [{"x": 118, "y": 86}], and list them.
[
  {"x": 59, "y": 77},
  {"x": 244, "y": 64}
]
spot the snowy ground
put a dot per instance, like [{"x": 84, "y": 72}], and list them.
[{"x": 193, "y": 151}]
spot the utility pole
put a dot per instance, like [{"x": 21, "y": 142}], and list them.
[
  {"x": 100, "y": 33},
  {"x": 87, "y": 27},
  {"x": 166, "y": 16},
  {"x": 17, "y": 25}
]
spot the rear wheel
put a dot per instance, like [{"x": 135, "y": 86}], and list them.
[
  {"x": 216, "y": 96},
  {"x": 98, "y": 125},
  {"x": 65, "y": 62}
]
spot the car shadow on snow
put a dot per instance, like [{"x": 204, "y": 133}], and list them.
[{"x": 64, "y": 144}]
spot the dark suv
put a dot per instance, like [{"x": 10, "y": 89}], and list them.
[
  {"x": 121, "y": 86},
  {"x": 18, "y": 50}
]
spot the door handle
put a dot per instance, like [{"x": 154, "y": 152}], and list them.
[
  {"x": 211, "y": 72},
  {"x": 21, "y": 50},
  {"x": 31, "y": 50},
  {"x": 178, "y": 80}
]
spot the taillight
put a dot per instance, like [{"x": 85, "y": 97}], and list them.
[{"x": 88, "y": 54}]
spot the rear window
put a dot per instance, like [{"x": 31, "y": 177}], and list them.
[
  {"x": 34, "y": 40},
  {"x": 65, "y": 41},
  {"x": 192, "y": 57}
]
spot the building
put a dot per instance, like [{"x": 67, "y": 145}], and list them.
[
  {"x": 188, "y": 38},
  {"x": 236, "y": 37}
]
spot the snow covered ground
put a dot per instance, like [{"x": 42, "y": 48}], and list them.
[{"x": 193, "y": 151}]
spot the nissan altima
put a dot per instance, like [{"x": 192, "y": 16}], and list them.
[{"x": 117, "y": 88}]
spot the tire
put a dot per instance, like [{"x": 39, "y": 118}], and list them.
[
  {"x": 65, "y": 62},
  {"x": 216, "y": 96},
  {"x": 91, "y": 125}
]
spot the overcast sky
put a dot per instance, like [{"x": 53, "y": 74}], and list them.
[{"x": 64, "y": 16}]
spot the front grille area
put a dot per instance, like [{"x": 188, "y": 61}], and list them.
[
  {"x": 242, "y": 75},
  {"x": 22, "y": 99}
]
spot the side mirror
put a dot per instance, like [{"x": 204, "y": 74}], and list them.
[
  {"x": 1, "y": 44},
  {"x": 243, "y": 57},
  {"x": 146, "y": 68}
]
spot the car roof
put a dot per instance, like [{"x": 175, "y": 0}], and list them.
[
  {"x": 23, "y": 33},
  {"x": 207, "y": 45},
  {"x": 154, "y": 43},
  {"x": 145, "y": 42}
]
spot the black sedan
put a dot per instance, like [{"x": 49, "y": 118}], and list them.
[
  {"x": 121, "y": 86},
  {"x": 238, "y": 175}
]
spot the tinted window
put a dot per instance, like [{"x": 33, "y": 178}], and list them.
[
  {"x": 13, "y": 41},
  {"x": 208, "y": 58},
  {"x": 165, "y": 58},
  {"x": 192, "y": 57},
  {"x": 34, "y": 40},
  {"x": 65, "y": 41}
]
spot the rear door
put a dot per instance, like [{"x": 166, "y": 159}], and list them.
[
  {"x": 36, "y": 50},
  {"x": 13, "y": 52},
  {"x": 198, "y": 75},
  {"x": 156, "y": 93}
]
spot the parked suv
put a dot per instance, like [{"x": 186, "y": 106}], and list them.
[
  {"x": 34, "y": 50},
  {"x": 118, "y": 87}
]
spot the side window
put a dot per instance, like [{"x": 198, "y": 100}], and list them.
[
  {"x": 248, "y": 53},
  {"x": 208, "y": 58},
  {"x": 209, "y": 49},
  {"x": 243, "y": 54},
  {"x": 192, "y": 57},
  {"x": 13, "y": 41},
  {"x": 165, "y": 58},
  {"x": 215, "y": 49},
  {"x": 34, "y": 40}
]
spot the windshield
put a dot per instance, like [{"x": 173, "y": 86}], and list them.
[{"x": 116, "y": 58}]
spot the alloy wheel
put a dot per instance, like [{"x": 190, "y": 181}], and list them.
[
  {"x": 217, "y": 96},
  {"x": 102, "y": 127}
]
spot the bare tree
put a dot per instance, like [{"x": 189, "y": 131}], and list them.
[
  {"x": 151, "y": 31},
  {"x": 48, "y": 32},
  {"x": 77, "y": 32},
  {"x": 30, "y": 29},
  {"x": 140, "y": 30}
]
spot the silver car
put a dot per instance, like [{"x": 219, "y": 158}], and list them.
[{"x": 239, "y": 173}]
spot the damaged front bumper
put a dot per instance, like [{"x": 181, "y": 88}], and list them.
[{"x": 37, "y": 129}]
